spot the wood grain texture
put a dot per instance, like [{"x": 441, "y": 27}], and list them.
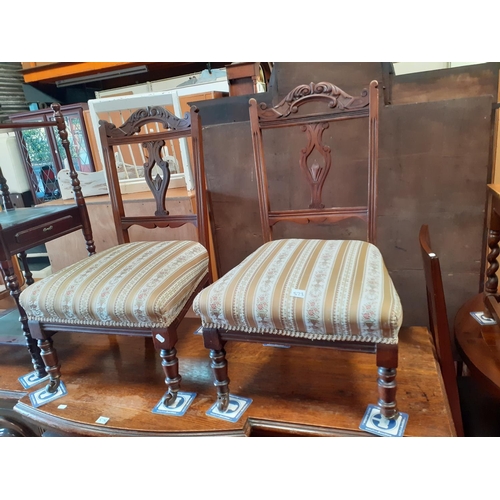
[
  {"x": 478, "y": 345},
  {"x": 120, "y": 377},
  {"x": 442, "y": 84}
]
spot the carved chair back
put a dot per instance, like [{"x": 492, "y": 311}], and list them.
[
  {"x": 335, "y": 105},
  {"x": 438, "y": 325},
  {"x": 171, "y": 127}
]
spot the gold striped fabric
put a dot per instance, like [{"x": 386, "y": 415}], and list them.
[
  {"x": 317, "y": 289},
  {"x": 141, "y": 284}
]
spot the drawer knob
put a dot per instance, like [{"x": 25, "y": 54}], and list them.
[{"x": 49, "y": 228}]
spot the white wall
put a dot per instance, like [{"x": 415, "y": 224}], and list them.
[
  {"x": 12, "y": 163},
  {"x": 403, "y": 68}
]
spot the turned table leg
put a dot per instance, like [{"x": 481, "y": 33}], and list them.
[{"x": 491, "y": 283}]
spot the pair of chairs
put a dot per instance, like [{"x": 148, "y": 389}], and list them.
[{"x": 308, "y": 292}]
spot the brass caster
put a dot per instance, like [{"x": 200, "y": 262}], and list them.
[
  {"x": 170, "y": 398},
  {"x": 222, "y": 401},
  {"x": 392, "y": 415},
  {"x": 52, "y": 386}
]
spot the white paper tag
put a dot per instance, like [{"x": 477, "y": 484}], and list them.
[
  {"x": 298, "y": 293},
  {"x": 62, "y": 407},
  {"x": 102, "y": 420},
  {"x": 159, "y": 337}
]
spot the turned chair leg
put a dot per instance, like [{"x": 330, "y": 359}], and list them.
[
  {"x": 164, "y": 342},
  {"x": 387, "y": 362},
  {"x": 52, "y": 365},
  {"x": 214, "y": 342},
  {"x": 170, "y": 364},
  {"x": 12, "y": 284},
  {"x": 48, "y": 354}
]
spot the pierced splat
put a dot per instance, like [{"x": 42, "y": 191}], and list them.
[
  {"x": 331, "y": 104},
  {"x": 315, "y": 173},
  {"x": 157, "y": 184}
]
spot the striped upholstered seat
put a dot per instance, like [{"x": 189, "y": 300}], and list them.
[
  {"x": 317, "y": 289},
  {"x": 142, "y": 284}
]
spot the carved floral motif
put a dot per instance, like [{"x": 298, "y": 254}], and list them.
[
  {"x": 326, "y": 91},
  {"x": 147, "y": 115}
]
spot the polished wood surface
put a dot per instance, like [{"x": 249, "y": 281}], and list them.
[
  {"x": 479, "y": 345},
  {"x": 120, "y": 378}
]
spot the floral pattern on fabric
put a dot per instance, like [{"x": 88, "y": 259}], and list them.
[
  {"x": 347, "y": 293},
  {"x": 140, "y": 284}
]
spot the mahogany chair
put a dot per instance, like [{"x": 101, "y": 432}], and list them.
[
  {"x": 475, "y": 412},
  {"x": 139, "y": 288},
  {"x": 309, "y": 292}
]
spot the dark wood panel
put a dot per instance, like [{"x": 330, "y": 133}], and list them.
[
  {"x": 441, "y": 84},
  {"x": 230, "y": 173},
  {"x": 434, "y": 167}
]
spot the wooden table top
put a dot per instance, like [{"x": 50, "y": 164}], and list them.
[
  {"x": 298, "y": 391},
  {"x": 479, "y": 345},
  {"x": 179, "y": 193},
  {"x": 495, "y": 189},
  {"x": 22, "y": 216}
]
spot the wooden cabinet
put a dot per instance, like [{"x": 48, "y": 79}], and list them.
[
  {"x": 247, "y": 77},
  {"x": 42, "y": 152}
]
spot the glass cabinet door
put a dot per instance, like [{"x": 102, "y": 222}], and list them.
[
  {"x": 43, "y": 154},
  {"x": 78, "y": 144},
  {"x": 36, "y": 151}
]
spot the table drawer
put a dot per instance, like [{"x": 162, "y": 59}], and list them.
[{"x": 43, "y": 231}]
